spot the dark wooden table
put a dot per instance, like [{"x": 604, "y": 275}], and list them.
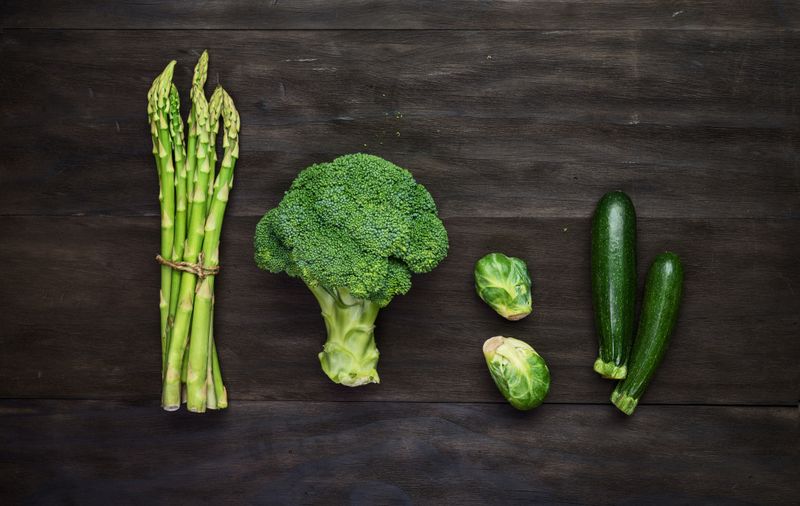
[{"x": 517, "y": 116}]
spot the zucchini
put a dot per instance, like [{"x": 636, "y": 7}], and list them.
[
  {"x": 614, "y": 281},
  {"x": 662, "y": 298}
]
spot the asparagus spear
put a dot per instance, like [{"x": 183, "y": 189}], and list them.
[
  {"x": 198, "y": 84},
  {"x": 154, "y": 135},
  {"x": 171, "y": 389},
  {"x": 214, "y": 374},
  {"x": 158, "y": 109},
  {"x": 219, "y": 389},
  {"x": 196, "y": 384},
  {"x": 216, "y": 388},
  {"x": 212, "y": 152},
  {"x": 192, "y": 202},
  {"x": 187, "y": 177},
  {"x": 179, "y": 240},
  {"x": 211, "y": 394},
  {"x": 217, "y": 395},
  {"x": 232, "y": 131},
  {"x": 215, "y": 109}
]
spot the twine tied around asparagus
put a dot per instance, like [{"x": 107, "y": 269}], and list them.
[{"x": 198, "y": 269}]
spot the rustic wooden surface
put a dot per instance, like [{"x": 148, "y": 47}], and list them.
[{"x": 517, "y": 116}]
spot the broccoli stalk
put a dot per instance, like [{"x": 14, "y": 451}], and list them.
[
  {"x": 354, "y": 230},
  {"x": 349, "y": 356}
]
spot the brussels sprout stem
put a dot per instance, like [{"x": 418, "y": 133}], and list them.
[{"x": 349, "y": 356}]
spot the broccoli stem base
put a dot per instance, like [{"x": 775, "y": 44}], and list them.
[{"x": 349, "y": 356}]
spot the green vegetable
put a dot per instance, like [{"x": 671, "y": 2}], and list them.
[
  {"x": 504, "y": 284},
  {"x": 519, "y": 372},
  {"x": 188, "y": 163},
  {"x": 158, "y": 112},
  {"x": 191, "y": 220},
  {"x": 614, "y": 281},
  {"x": 200, "y": 344},
  {"x": 354, "y": 230},
  {"x": 662, "y": 299}
]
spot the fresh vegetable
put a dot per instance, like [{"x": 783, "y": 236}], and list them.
[
  {"x": 504, "y": 284},
  {"x": 191, "y": 221},
  {"x": 662, "y": 298},
  {"x": 354, "y": 230},
  {"x": 158, "y": 111},
  {"x": 614, "y": 281},
  {"x": 519, "y": 372}
]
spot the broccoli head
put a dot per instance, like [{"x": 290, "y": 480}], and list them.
[{"x": 354, "y": 230}]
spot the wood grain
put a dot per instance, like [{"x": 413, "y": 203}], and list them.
[
  {"x": 57, "y": 452},
  {"x": 80, "y": 314},
  {"x": 501, "y": 124},
  {"x": 517, "y": 116},
  {"x": 416, "y": 14}
]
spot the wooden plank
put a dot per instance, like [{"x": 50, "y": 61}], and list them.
[
  {"x": 80, "y": 316},
  {"x": 71, "y": 452},
  {"x": 472, "y": 14},
  {"x": 529, "y": 124}
]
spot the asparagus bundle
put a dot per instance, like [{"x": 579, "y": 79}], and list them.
[{"x": 193, "y": 196}]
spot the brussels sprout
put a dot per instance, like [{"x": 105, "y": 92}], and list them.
[
  {"x": 504, "y": 283},
  {"x": 519, "y": 372}
]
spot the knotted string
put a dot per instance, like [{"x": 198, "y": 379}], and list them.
[{"x": 198, "y": 269}]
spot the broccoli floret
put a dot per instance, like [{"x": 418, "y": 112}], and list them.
[{"x": 354, "y": 230}]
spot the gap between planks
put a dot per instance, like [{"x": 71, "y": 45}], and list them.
[
  {"x": 142, "y": 401},
  {"x": 155, "y": 215},
  {"x": 532, "y": 30}
]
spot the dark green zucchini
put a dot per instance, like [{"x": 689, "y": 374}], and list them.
[
  {"x": 662, "y": 298},
  {"x": 614, "y": 281}
]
